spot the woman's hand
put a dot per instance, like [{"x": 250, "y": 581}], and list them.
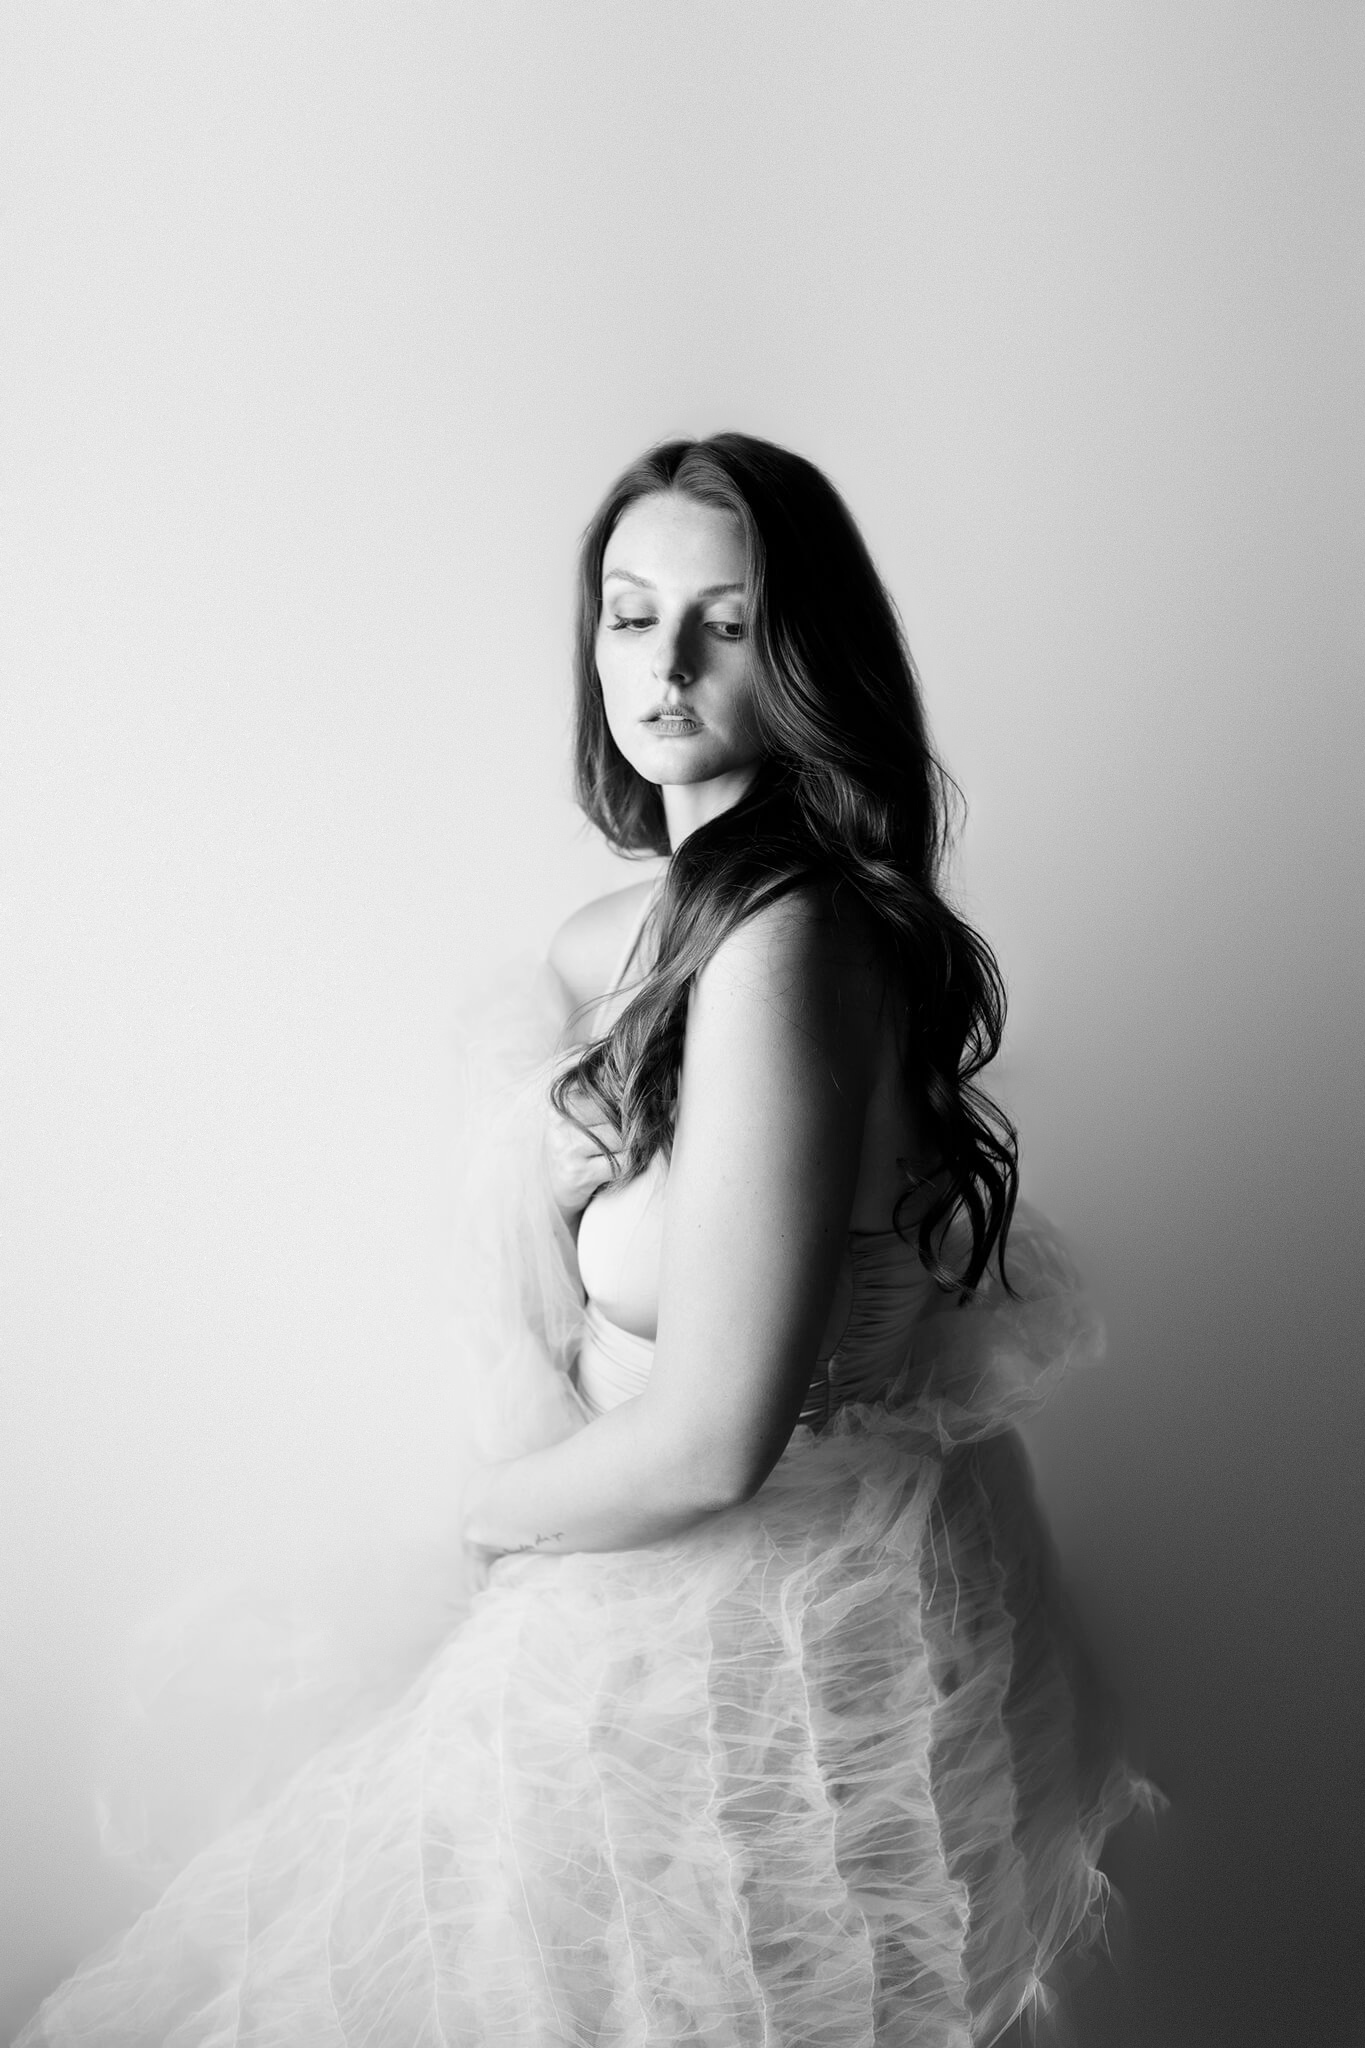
[{"x": 575, "y": 1166}]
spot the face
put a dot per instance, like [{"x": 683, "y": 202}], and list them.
[{"x": 673, "y": 651}]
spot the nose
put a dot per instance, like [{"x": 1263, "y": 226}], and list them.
[{"x": 674, "y": 661}]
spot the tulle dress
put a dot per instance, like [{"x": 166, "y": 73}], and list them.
[{"x": 827, "y": 1771}]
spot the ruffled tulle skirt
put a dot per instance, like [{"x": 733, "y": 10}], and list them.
[{"x": 825, "y": 1771}]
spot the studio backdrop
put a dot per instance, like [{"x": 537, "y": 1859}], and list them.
[{"x": 325, "y": 328}]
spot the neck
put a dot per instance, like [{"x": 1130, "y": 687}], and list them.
[{"x": 689, "y": 804}]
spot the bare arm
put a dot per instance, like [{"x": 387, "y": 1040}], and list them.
[{"x": 777, "y": 1071}]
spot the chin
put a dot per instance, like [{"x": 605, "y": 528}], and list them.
[{"x": 696, "y": 765}]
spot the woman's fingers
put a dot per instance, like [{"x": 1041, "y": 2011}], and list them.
[
  {"x": 578, "y": 1161},
  {"x": 575, "y": 1138},
  {"x": 586, "y": 1128}
]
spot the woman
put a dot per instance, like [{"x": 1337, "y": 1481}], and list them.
[{"x": 766, "y": 1725}]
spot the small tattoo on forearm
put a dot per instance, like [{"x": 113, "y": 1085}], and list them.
[{"x": 556, "y": 1536}]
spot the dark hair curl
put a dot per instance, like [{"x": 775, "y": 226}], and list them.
[{"x": 849, "y": 793}]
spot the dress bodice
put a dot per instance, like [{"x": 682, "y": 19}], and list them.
[{"x": 880, "y": 1294}]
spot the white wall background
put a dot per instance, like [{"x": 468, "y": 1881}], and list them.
[{"x": 325, "y": 326}]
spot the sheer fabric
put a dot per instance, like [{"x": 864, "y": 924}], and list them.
[{"x": 825, "y": 1772}]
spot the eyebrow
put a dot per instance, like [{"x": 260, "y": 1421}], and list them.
[{"x": 643, "y": 583}]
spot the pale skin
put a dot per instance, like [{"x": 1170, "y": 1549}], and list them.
[{"x": 794, "y": 1125}]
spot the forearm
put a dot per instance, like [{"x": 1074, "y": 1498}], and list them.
[{"x": 613, "y": 1485}]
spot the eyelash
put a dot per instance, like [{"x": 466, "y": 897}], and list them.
[{"x": 724, "y": 629}]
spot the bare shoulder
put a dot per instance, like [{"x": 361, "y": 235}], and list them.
[
  {"x": 584, "y": 952},
  {"x": 815, "y": 946},
  {"x": 796, "y": 991}
]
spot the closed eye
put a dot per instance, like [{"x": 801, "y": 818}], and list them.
[{"x": 617, "y": 624}]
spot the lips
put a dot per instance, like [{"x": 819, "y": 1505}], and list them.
[{"x": 667, "y": 722}]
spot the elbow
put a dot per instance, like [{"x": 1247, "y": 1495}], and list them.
[
  {"x": 699, "y": 1467},
  {"x": 718, "y": 1491},
  {"x": 712, "y": 1477}
]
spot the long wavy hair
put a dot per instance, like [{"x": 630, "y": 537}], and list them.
[{"x": 848, "y": 794}]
